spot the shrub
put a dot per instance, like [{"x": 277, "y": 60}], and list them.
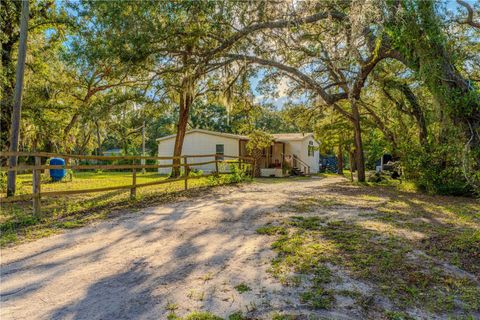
[
  {"x": 376, "y": 177},
  {"x": 3, "y": 181},
  {"x": 438, "y": 171},
  {"x": 195, "y": 173},
  {"x": 237, "y": 174}
]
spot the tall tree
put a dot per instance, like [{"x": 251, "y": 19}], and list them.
[
  {"x": 180, "y": 40},
  {"x": 42, "y": 14},
  {"x": 417, "y": 31},
  {"x": 17, "y": 102}
]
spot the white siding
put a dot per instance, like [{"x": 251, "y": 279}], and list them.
[
  {"x": 300, "y": 149},
  {"x": 197, "y": 143},
  {"x": 312, "y": 161},
  {"x": 294, "y": 148}
]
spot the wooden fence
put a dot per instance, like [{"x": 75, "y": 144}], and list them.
[{"x": 183, "y": 163}]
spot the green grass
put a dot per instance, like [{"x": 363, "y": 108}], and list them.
[
  {"x": 197, "y": 315},
  {"x": 318, "y": 298},
  {"x": 375, "y": 257},
  {"x": 381, "y": 248},
  {"x": 202, "y": 316},
  {"x": 309, "y": 223},
  {"x": 17, "y": 223},
  {"x": 242, "y": 288},
  {"x": 400, "y": 185},
  {"x": 237, "y": 316},
  {"x": 279, "y": 316},
  {"x": 85, "y": 180},
  {"x": 270, "y": 230}
]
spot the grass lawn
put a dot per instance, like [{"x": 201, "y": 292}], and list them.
[
  {"x": 85, "y": 180},
  {"x": 70, "y": 211},
  {"x": 419, "y": 255}
]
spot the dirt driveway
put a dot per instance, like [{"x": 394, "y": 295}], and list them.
[{"x": 184, "y": 256}]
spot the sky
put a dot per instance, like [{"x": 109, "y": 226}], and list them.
[{"x": 282, "y": 90}]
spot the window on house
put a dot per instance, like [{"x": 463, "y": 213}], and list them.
[
  {"x": 219, "y": 149},
  {"x": 311, "y": 149}
]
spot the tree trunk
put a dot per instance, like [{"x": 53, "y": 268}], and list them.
[
  {"x": 142, "y": 161},
  {"x": 70, "y": 125},
  {"x": 359, "y": 158},
  {"x": 351, "y": 159},
  {"x": 17, "y": 104},
  {"x": 417, "y": 114},
  {"x": 99, "y": 140},
  {"x": 83, "y": 146},
  {"x": 125, "y": 141},
  {"x": 340, "y": 159},
  {"x": 186, "y": 99},
  {"x": 257, "y": 155},
  {"x": 353, "y": 164}
]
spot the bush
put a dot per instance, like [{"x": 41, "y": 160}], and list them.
[
  {"x": 238, "y": 174},
  {"x": 195, "y": 173},
  {"x": 3, "y": 181},
  {"x": 376, "y": 177},
  {"x": 438, "y": 170}
]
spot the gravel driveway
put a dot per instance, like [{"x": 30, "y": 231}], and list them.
[{"x": 184, "y": 256}]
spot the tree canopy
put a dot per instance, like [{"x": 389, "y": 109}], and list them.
[{"x": 367, "y": 77}]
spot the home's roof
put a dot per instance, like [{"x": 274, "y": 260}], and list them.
[
  {"x": 213, "y": 133},
  {"x": 291, "y": 136},
  {"x": 281, "y": 137}
]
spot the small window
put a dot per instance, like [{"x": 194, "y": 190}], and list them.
[
  {"x": 219, "y": 149},
  {"x": 311, "y": 149}
]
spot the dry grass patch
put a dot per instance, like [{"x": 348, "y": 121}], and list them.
[
  {"x": 309, "y": 204},
  {"x": 418, "y": 252}
]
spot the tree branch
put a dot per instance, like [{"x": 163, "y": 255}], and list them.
[
  {"x": 297, "y": 75},
  {"x": 273, "y": 25},
  {"x": 469, "y": 19}
]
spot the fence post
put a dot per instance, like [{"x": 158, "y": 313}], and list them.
[
  {"x": 216, "y": 164},
  {"x": 133, "y": 190},
  {"x": 36, "y": 187},
  {"x": 186, "y": 171}
]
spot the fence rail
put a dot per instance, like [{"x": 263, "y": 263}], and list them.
[
  {"x": 88, "y": 157},
  {"x": 182, "y": 162}
]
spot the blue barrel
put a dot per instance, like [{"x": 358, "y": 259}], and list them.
[{"x": 57, "y": 174}]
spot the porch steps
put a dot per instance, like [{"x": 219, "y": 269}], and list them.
[{"x": 297, "y": 172}]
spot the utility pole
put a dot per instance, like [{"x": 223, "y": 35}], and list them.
[
  {"x": 143, "y": 146},
  {"x": 17, "y": 101}
]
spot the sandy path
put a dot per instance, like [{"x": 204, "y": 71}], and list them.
[{"x": 190, "y": 254}]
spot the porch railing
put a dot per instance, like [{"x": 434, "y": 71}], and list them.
[{"x": 297, "y": 160}]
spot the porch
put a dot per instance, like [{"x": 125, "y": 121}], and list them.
[{"x": 276, "y": 162}]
